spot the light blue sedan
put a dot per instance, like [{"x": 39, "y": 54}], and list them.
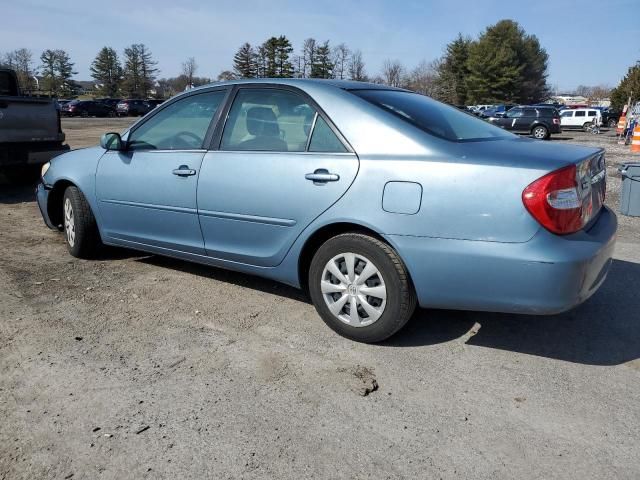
[{"x": 371, "y": 198}]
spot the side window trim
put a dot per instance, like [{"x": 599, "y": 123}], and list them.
[
  {"x": 311, "y": 130},
  {"x": 212, "y": 124},
  {"x": 216, "y": 139}
]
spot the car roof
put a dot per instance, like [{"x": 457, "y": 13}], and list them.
[{"x": 301, "y": 82}]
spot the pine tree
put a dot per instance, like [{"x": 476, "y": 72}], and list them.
[
  {"x": 244, "y": 62},
  {"x": 322, "y": 66},
  {"x": 453, "y": 72},
  {"x": 269, "y": 49},
  {"x": 284, "y": 67},
  {"x": 506, "y": 65},
  {"x": 629, "y": 86},
  {"x": 139, "y": 71},
  {"x": 57, "y": 70},
  {"x": 106, "y": 70}
]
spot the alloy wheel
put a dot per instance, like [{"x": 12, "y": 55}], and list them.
[
  {"x": 353, "y": 289},
  {"x": 69, "y": 223}
]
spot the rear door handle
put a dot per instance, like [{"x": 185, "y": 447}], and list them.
[
  {"x": 322, "y": 175},
  {"x": 184, "y": 171}
]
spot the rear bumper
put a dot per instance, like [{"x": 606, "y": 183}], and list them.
[
  {"x": 548, "y": 274},
  {"x": 29, "y": 154},
  {"x": 42, "y": 197}
]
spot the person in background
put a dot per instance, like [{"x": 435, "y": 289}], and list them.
[{"x": 597, "y": 123}]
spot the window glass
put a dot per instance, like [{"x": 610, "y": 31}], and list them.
[
  {"x": 267, "y": 119},
  {"x": 515, "y": 113},
  {"x": 529, "y": 112},
  {"x": 323, "y": 139},
  {"x": 567, "y": 114},
  {"x": 593, "y": 113},
  {"x": 433, "y": 117},
  {"x": 581, "y": 113},
  {"x": 180, "y": 126}
]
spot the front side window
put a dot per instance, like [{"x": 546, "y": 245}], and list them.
[
  {"x": 593, "y": 113},
  {"x": 433, "y": 117},
  {"x": 180, "y": 126},
  {"x": 529, "y": 112},
  {"x": 567, "y": 114}
]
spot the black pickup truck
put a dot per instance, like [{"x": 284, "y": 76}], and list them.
[{"x": 30, "y": 129}]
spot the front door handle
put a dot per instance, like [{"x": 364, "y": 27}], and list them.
[
  {"x": 184, "y": 171},
  {"x": 321, "y": 176}
]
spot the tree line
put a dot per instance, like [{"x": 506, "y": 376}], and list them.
[{"x": 504, "y": 64}]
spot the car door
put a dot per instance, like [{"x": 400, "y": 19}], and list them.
[
  {"x": 566, "y": 118},
  {"x": 510, "y": 119},
  {"x": 147, "y": 193},
  {"x": 579, "y": 118},
  {"x": 280, "y": 164}
]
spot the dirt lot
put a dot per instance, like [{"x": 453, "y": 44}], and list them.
[{"x": 136, "y": 366}]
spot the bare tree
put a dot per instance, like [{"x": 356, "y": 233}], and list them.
[
  {"x": 423, "y": 79},
  {"x": 393, "y": 73},
  {"x": 21, "y": 60},
  {"x": 226, "y": 75},
  {"x": 189, "y": 69},
  {"x": 309, "y": 49},
  {"x": 356, "y": 67},
  {"x": 340, "y": 61}
]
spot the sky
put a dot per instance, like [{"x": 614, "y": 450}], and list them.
[{"x": 589, "y": 42}]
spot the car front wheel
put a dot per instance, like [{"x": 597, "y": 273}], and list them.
[
  {"x": 540, "y": 132},
  {"x": 80, "y": 229},
  {"x": 361, "y": 288}
]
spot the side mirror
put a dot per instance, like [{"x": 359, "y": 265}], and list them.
[{"x": 112, "y": 141}]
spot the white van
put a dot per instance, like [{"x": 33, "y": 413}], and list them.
[{"x": 579, "y": 117}]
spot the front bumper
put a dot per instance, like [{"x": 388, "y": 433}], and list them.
[
  {"x": 42, "y": 197},
  {"x": 548, "y": 274}
]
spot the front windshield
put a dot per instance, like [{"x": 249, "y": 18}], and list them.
[{"x": 433, "y": 117}]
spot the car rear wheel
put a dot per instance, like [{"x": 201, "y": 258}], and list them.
[
  {"x": 80, "y": 229},
  {"x": 587, "y": 125},
  {"x": 84, "y": 114},
  {"x": 361, "y": 288},
  {"x": 540, "y": 132}
]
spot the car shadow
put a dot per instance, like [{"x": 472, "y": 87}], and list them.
[{"x": 605, "y": 330}]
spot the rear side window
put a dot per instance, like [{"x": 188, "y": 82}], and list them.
[
  {"x": 593, "y": 113},
  {"x": 433, "y": 117},
  {"x": 581, "y": 113},
  {"x": 530, "y": 112},
  {"x": 323, "y": 139},
  {"x": 276, "y": 120}
]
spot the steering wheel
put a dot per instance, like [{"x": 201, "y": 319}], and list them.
[{"x": 188, "y": 139}]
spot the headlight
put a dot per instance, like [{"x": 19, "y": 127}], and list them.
[{"x": 44, "y": 169}]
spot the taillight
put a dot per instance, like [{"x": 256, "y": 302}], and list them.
[
  {"x": 556, "y": 121},
  {"x": 555, "y": 202}
]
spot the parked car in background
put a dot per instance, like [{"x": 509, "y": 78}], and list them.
[
  {"x": 61, "y": 103},
  {"x": 371, "y": 198},
  {"x": 579, "y": 118},
  {"x": 610, "y": 117},
  {"x": 30, "y": 129},
  {"x": 539, "y": 122},
  {"x": 491, "y": 112},
  {"x": 112, "y": 102},
  {"x": 87, "y": 108},
  {"x": 155, "y": 102},
  {"x": 134, "y": 108}
]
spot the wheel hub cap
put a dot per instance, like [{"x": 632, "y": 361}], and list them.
[{"x": 353, "y": 289}]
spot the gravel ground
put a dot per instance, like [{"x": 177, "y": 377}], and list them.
[{"x": 136, "y": 366}]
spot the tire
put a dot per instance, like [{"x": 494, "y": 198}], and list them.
[
  {"x": 540, "y": 132},
  {"x": 385, "y": 314},
  {"x": 586, "y": 126},
  {"x": 111, "y": 114},
  {"x": 80, "y": 229},
  {"x": 612, "y": 123},
  {"x": 85, "y": 114}
]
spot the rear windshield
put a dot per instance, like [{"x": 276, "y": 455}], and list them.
[{"x": 433, "y": 117}]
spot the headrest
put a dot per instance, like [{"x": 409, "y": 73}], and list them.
[{"x": 262, "y": 122}]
